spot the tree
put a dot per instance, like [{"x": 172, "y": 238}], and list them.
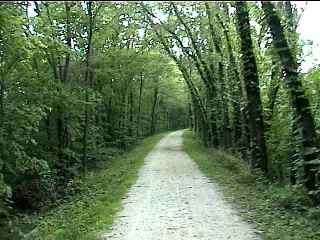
[
  {"x": 250, "y": 75},
  {"x": 299, "y": 102}
]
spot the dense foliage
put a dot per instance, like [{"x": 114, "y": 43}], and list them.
[
  {"x": 82, "y": 81},
  {"x": 78, "y": 84},
  {"x": 241, "y": 63}
]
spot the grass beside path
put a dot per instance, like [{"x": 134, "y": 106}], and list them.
[
  {"x": 98, "y": 199},
  {"x": 278, "y": 212}
]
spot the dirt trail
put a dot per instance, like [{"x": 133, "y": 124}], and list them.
[{"x": 173, "y": 200}]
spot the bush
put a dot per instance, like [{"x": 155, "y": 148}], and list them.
[
  {"x": 33, "y": 185},
  {"x": 230, "y": 162},
  {"x": 237, "y": 167},
  {"x": 290, "y": 198}
]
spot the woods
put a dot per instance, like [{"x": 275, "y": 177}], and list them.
[
  {"x": 229, "y": 82},
  {"x": 74, "y": 94},
  {"x": 81, "y": 82}
]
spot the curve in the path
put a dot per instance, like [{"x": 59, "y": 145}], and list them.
[{"x": 173, "y": 200}]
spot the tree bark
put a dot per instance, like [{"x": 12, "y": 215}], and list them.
[
  {"x": 239, "y": 138},
  {"x": 131, "y": 113},
  {"x": 298, "y": 100},
  {"x": 256, "y": 127},
  {"x": 140, "y": 103},
  {"x": 153, "y": 111}
]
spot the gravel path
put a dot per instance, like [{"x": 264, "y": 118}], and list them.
[{"x": 173, "y": 200}]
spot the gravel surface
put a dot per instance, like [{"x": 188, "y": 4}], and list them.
[{"x": 173, "y": 200}]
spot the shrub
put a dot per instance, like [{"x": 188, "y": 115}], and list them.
[{"x": 288, "y": 197}]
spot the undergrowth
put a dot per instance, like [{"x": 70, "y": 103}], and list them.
[
  {"x": 277, "y": 212},
  {"x": 93, "y": 201}
]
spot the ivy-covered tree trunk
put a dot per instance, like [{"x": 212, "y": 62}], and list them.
[
  {"x": 154, "y": 110},
  {"x": 211, "y": 111},
  {"x": 226, "y": 131},
  {"x": 239, "y": 136},
  {"x": 298, "y": 100},
  {"x": 272, "y": 92},
  {"x": 2, "y": 90},
  {"x": 250, "y": 75}
]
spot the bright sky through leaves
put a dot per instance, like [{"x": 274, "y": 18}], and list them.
[
  {"x": 309, "y": 31},
  {"x": 307, "y": 28}
]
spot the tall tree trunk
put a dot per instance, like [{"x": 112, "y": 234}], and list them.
[
  {"x": 250, "y": 74},
  {"x": 210, "y": 131},
  {"x": 236, "y": 91},
  {"x": 88, "y": 82},
  {"x": 110, "y": 115},
  {"x": 2, "y": 86},
  {"x": 298, "y": 100},
  {"x": 190, "y": 114},
  {"x": 226, "y": 134},
  {"x": 223, "y": 135},
  {"x": 153, "y": 111},
  {"x": 140, "y": 103},
  {"x": 131, "y": 127},
  {"x": 2, "y": 118},
  {"x": 167, "y": 120}
]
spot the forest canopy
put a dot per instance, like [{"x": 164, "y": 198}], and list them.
[{"x": 83, "y": 81}]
